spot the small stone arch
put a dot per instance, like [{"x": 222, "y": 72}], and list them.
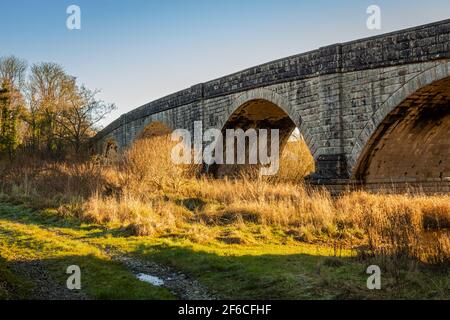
[
  {"x": 154, "y": 129},
  {"x": 274, "y": 98},
  {"x": 111, "y": 150}
]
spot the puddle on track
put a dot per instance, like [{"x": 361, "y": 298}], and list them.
[{"x": 150, "y": 279}]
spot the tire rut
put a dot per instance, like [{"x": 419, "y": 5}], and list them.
[
  {"x": 178, "y": 283},
  {"x": 45, "y": 287}
]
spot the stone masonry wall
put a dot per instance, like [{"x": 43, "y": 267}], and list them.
[{"x": 331, "y": 94}]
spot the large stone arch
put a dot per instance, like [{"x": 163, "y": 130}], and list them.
[
  {"x": 261, "y": 94},
  {"x": 259, "y": 109},
  {"x": 272, "y": 97},
  {"x": 401, "y": 112}
]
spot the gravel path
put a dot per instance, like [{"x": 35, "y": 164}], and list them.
[
  {"x": 178, "y": 283},
  {"x": 45, "y": 287}
]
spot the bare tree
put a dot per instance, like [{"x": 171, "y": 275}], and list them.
[
  {"x": 48, "y": 90},
  {"x": 58, "y": 113},
  {"x": 80, "y": 116},
  {"x": 49, "y": 84},
  {"x": 13, "y": 70}
]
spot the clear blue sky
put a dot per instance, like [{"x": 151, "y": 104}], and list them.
[{"x": 136, "y": 51}]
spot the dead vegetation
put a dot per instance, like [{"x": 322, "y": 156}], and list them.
[{"x": 149, "y": 196}]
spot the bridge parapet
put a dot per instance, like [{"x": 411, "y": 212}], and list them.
[
  {"x": 418, "y": 44},
  {"x": 338, "y": 96}
]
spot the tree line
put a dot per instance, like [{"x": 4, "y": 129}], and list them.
[{"x": 44, "y": 111}]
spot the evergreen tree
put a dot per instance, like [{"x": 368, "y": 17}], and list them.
[{"x": 9, "y": 114}]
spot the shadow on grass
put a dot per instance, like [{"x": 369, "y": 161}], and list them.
[
  {"x": 48, "y": 219},
  {"x": 192, "y": 204},
  {"x": 237, "y": 272},
  {"x": 12, "y": 286},
  {"x": 295, "y": 276},
  {"x": 100, "y": 280}
]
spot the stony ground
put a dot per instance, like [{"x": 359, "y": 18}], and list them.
[{"x": 182, "y": 286}]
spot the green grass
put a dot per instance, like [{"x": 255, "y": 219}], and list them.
[
  {"x": 12, "y": 286},
  {"x": 263, "y": 271},
  {"x": 102, "y": 278}
]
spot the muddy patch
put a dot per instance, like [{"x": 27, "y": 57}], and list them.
[{"x": 178, "y": 283}]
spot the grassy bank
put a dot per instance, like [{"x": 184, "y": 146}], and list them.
[
  {"x": 273, "y": 237},
  {"x": 253, "y": 271},
  {"x": 24, "y": 243}
]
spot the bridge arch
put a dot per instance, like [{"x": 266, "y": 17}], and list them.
[
  {"x": 154, "y": 129},
  {"x": 259, "y": 109},
  {"x": 407, "y": 139},
  {"x": 262, "y": 94},
  {"x": 110, "y": 150}
]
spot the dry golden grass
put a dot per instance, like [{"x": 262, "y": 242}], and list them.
[
  {"x": 151, "y": 218},
  {"x": 296, "y": 162},
  {"x": 404, "y": 226},
  {"x": 147, "y": 168},
  {"x": 150, "y": 196}
]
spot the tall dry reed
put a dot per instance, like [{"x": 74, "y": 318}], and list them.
[{"x": 147, "y": 194}]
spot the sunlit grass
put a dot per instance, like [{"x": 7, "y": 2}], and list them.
[
  {"x": 269, "y": 234},
  {"x": 292, "y": 270},
  {"x": 102, "y": 278}
]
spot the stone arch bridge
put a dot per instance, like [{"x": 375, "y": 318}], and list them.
[{"x": 374, "y": 111}]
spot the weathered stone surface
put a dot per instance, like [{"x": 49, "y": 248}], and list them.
[{"x": 345, "y": 98}]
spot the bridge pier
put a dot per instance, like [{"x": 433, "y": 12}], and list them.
[{"x": 331, "y": 167}]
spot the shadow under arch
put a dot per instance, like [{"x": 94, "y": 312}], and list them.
[
  {"x": 257, "y": 109},
  {"x": 439, "y": 71},
  {"x": 411, "y": 144},
  {"x": 272, "y": 97},
  {"x": 111, "y": 150},
  {"x": 154, "y": 129}
]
